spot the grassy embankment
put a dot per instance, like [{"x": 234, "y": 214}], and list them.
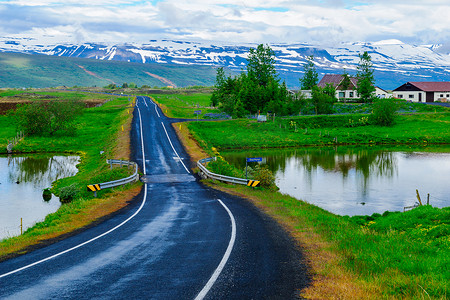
[
  {"x": 99, "y": 129},
  {"x": 397, "y": 255},
  {"x": 184, "y": 105}
]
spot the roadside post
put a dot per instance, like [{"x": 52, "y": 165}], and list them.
[{"x": 197, "y": 112}]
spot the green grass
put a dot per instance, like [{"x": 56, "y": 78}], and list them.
[
  {"x": 184, "y": 105},
  {"x": 237, "y": 134},
  {"x": 96, "y": 130}
]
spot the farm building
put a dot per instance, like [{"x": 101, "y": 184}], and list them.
[{"x": 424, "y": 91}]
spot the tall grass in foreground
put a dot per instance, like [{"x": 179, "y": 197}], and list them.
[{"x": 396, "y": 256}]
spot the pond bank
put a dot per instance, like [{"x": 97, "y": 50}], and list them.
[
  {"x": 101, "y": 136},
  {"x": 344, "y": 256}
]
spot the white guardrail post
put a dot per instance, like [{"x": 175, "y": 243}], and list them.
[
  {"x": 201, "y": 164},
  {"x": 110, "y": 184}
]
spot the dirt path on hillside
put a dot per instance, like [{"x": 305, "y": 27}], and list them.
[
  {"x": 96, "y": 75},
  {"x": 162, "y": 79}
]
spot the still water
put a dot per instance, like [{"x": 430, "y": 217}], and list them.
[
  {"x": 358, "y": 181},
  {"x": 22, "y": 179}
]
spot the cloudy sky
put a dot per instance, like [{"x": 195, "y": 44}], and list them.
[{"x": 253, "y": 21}]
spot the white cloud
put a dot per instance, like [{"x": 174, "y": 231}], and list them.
[{"x": 321, "y": 21}]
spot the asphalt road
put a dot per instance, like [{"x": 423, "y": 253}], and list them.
[{"x": 177, "y": 240}]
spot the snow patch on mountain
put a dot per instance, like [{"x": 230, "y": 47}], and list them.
[{"x": 394, "y": 62}]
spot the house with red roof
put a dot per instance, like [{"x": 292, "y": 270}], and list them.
[
  {"x": 424, "y": 91},
  {"x": 336, "y": 80}
]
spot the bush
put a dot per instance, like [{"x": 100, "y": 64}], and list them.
[
  {"x": 384, "y": 112},
  {"x": 43, "y": 118},
  {"x": 265, "y": 176},
  {"x": 68, "y": 193},
  {"x": 47, "y": 194}
]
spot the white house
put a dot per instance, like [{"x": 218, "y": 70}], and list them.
[
  {"x": 350, "y": 92},
  {"x": 424, "y": 91}
]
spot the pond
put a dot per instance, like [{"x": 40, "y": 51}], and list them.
[
  {"x": 22, "y": 180},
  {"x": 358, "y": 181}
]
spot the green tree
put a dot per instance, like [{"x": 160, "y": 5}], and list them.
[
  {"x": 217, "y": 96},
  {"x": 323, "y": 99},
  {"x": 311, "y": 77},
  {"x": 43, "y": 118},
  {"x": 252, "y": 91},
  {"x": 365, "y": 78},
  {"x": 261, "y": 65}
]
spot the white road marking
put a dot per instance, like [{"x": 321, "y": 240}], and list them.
[
  {"x": 225, "y": 257},
  {"x": 176, "y": 153},
  {"x": 156, "y": 110},
  {"x": 99, "y": 236}
]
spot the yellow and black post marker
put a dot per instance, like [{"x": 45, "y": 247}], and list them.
[
  {"x": 253, "y": 183},
  {"x": 94, "y": 188}
]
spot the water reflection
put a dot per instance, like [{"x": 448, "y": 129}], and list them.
[
  {"x": 22, "y": 180},
  {"x": 357, "y": 180},
  {"x": 39, "y": 170}
]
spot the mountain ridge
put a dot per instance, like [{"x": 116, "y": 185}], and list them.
[{"x": 394, "y": 62}]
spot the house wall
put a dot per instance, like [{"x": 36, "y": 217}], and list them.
[
  {"x": 414, "y": 96},
  {"x": 442, "y": 96},
  {"x": 410, "y": 95},
  {"x": 348, "y": 94},
  {"x": 381, "y": 93}
]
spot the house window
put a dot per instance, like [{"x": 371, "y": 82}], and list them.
[
  {"x": 351, "y": 94},
  {"x": 442, "y": 96},
  {"x": 341, "y": 94},
  {"x": 448, "y": 95},
  {"x": 400, "y": 96},
  {"x": 411, "y": 96}
]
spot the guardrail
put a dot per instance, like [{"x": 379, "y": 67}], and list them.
[
  {"x": 202, "y": 163},
  {"x": 110, "y": 184}
]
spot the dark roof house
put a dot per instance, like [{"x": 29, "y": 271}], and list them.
[
  {"x": 336, "y": 81},
  {"x": 429, "y": 90}
]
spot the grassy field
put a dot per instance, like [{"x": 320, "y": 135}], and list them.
[
  {"x": 99, "y": 129},
  {"x": 321, "y": 131},
  {"x": 184, "y": 105},
  {"x": 392, "y": 256}
]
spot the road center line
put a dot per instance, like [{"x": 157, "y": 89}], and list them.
[
  {"x": 101, "y": 235},
  {"x": 176, "y": 153},
  {"x": 156, "y": 109},
  {"x": 225, "y": 257}
]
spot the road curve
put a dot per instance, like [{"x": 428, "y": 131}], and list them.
[{"x": 177, "y": 240}]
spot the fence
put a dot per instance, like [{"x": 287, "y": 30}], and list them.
[
  {"x": 20, "y": 135},
  {"x": 111, "y": 184},
  {"x": 201, "y": 165}
]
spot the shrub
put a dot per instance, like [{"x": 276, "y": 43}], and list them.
[
  {"x": 47, "y": 194},
  {"x": 384, "y": 112},
  {"x": 68, "y": 193},
  {"x": 44, "y": 118},
  {"x": 265, "y": 176}
]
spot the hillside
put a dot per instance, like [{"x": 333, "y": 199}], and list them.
[
  {"x": 394, "y": 62},
  {"x": 19, "y": 70}
]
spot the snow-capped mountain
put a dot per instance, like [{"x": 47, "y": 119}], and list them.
[{"x": 394, "y": 62}]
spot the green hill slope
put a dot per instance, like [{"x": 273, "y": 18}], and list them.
[{"x": 24, "y": 71}]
